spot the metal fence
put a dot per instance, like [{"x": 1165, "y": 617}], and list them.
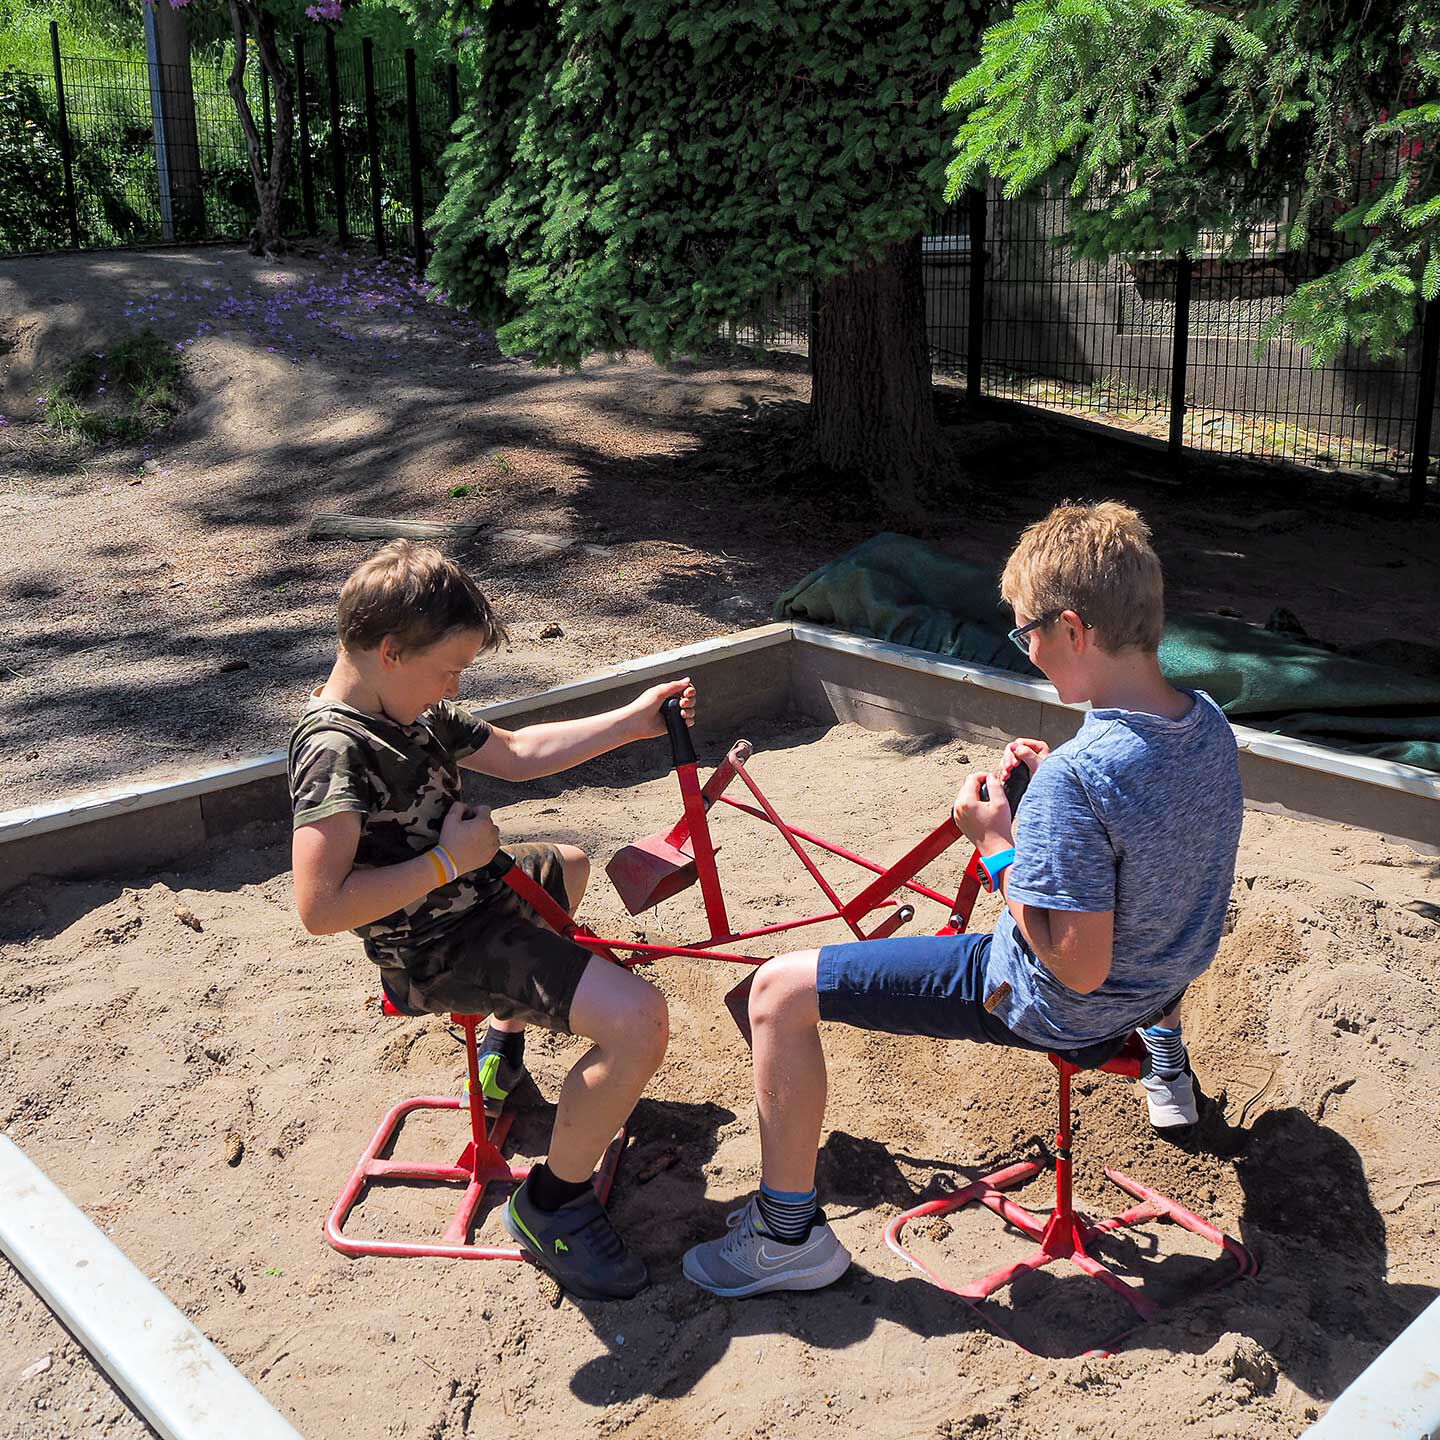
[
  {"x": 108, "y": 153},
  {"x": 1168, "y": 348}
]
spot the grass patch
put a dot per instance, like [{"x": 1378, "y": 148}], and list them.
[{"x": 123, "y": 393}]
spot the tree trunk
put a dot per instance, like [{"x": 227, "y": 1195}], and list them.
[
  {"x": 873, "y": 413},
  {"x": 269, "y": 178}
]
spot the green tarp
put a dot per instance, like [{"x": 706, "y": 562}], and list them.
[{"x": 898, "y": 589}]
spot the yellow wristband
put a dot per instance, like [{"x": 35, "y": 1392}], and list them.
[{"x": 441, "y": 875}]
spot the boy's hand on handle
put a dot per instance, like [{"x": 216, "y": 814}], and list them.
[
  {"x": 985, "y": 822},
  {"x": 469, "y": 834},
  {"x": 646, "y": 708},
  {"x": 1024, "y": 752}
]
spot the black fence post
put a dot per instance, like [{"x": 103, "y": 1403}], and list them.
[
  {"x": 452, "y": 87},
  {"x": 1180, "y": 355},
  {"x": 975, "y": 340},
  {"x": 372, "y": 142},
  {"x": 265, "y": 110},
  {"x": 1425, "y": 403},
  {"x": 72, "y": 213},
  {"x": 302, "y": 110},
  {"x": 337, "y": 147},
  {"x": 417, "y": 190}
]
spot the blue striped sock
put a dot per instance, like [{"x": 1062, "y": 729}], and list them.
[
  {"x": 787, "y": 1213},
  {"x": 1168, "y": 1057}
]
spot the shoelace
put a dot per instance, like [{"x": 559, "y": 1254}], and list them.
[
  {"x": 741, "y": 1225},
  {"x": 604, "y": 1238}
]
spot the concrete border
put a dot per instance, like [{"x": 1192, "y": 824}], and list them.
[
  {"x": 172, "y": 1374},
  {"x": 827, "y": 675}
]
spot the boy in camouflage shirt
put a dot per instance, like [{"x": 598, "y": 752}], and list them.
[{"x": 384, "y": 846}]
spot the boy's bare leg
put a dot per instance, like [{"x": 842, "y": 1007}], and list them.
[
  {"x": 790, "y": 1077},
  {"x": 577, "y": 877},
  {"x": 627, "y": 1019}
]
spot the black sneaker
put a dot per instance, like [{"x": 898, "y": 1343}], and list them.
[{"x": 578, "y": 1245}]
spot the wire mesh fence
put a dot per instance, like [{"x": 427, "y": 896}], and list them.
[
  {"x": 106, "y": 153},
  {"x": 1169, "y": 348},
  {"x": 1173, "y": 348}
]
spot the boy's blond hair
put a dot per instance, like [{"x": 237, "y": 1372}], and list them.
[
  {"x": 415, "y": 594},
  {"x": 1097, "y": 561}
]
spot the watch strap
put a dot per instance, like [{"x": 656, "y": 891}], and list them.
[{"x": 992, "y": 867}]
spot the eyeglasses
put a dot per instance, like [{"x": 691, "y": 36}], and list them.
[{"x": 1020, "y": 636}]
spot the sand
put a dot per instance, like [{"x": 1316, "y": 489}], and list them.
[{"x": 133, "y": 1044}]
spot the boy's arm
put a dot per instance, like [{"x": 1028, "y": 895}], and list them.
[
  {"x": 1075, "y": 946},
  {"x": 546, "y": 749},
  {"x": 331, "y": 895}
]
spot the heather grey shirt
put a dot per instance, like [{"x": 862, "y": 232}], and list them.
[{"x": 1139, "y": 815}]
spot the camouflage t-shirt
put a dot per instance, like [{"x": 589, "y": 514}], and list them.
[{"x": 401, "y": 780}]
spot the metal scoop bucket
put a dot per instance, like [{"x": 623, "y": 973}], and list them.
[{"x": 663, "y": 864}]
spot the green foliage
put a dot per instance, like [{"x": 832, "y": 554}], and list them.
[
  {"x": 639, "y": 174},
  {"x": 121, "y": 394},
  {"x": 32, "y": 216},
  {"x": 1165, "y": 119}
]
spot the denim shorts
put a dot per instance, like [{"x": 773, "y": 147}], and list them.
[{"x": 928, "y": 985}]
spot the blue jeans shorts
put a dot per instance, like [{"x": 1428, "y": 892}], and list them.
[{"x": 927, "y": 985}]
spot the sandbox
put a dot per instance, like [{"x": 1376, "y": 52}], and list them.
[{"x": 154, "y": 1019}]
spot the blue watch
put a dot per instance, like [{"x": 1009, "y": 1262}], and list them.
[{"x": 992, "y": 867}]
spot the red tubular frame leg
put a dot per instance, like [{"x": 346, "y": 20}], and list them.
[
  {"x": 479, "y": 1167},
  {"x": 1065, "y": 1233}
]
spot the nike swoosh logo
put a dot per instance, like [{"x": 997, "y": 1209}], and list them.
[{"x": 767, "y": 1259}]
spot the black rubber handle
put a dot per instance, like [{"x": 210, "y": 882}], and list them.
[
  {"x": 1016, "y": 783},
  {"x": 682, "y": 749}
]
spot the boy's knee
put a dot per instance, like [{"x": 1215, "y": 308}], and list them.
[
  {"x": 576, "y": 865},
  {"x": 636, "y": 1023},
  {"x": 647, "y": 1029},
  {"x": 784, "y": 991}
]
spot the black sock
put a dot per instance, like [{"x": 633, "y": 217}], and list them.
[
  {"x": 503, "y": 1043},
  {"x": 548, "y": 1192}
]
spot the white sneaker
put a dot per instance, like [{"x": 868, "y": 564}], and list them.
[
  {"x": 1171, "y": 1101},
  {"x": 749, "y": 1260}
]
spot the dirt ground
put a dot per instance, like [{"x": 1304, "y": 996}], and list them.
[
  {"x": 135, "y": 1044},
  {"x": 165, "y": 610}
]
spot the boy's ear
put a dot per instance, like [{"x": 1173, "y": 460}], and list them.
[
  {"x": 1075, "y": 627},
  {"x": 389, "y": 651}
]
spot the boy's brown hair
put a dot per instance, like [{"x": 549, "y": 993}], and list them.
[
  {"x": 416, "y": 594},
  {"x": 1096, "y": 560}
]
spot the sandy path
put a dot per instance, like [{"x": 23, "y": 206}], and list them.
[
  {"x": 131, "y": 579},
  {"x": 134, "y": 1044}
]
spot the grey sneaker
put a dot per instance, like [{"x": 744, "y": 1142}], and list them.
[
  {"x": 1172, "y": 1102},
  {"x": 578, "y": 1245},
  {"x": 748, "y": 1260}
]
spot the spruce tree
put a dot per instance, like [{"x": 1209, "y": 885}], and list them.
[
  {"x": 1163, "y": 119},
  {"x": 643, "y": 173}
]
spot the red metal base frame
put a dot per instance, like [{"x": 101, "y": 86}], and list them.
[
  {"x": 480, "y": 1166},
  {"x": 1067, "y": 1233},
  {"x": 1058, "y": 1240}
]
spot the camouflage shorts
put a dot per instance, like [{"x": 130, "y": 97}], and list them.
[{"x": 501, "y": 959}]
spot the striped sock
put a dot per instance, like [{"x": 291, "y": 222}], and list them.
[
  {"x": 1168, "y": 1057},
  {"x": 787, "y": 1213}
]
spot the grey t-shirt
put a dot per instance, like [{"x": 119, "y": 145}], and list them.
[{"x": 1139, "y": 815}]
